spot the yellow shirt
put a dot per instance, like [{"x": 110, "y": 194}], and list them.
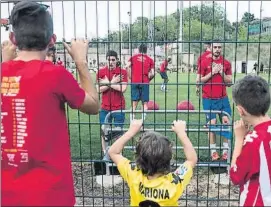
[{"x": 165, "y": 190}]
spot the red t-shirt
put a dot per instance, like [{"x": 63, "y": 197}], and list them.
[
  {"x": 212, "y": 89},
  {"x": 141, "y": 65},
  {"x": 252, "y": 171},
  {"x": 207, "y": 54},
  {"x": 164, "y": 66},
  {"x": 112, "y": 99},
  {"x": 36, "y": 164}
]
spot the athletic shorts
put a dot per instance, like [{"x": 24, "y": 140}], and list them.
[
  {"x": 140, "y": 92},
  {"x": 117, "y": 118},
  {"x": 163, "y": 75},
  {"x": 222, "y": 104}
]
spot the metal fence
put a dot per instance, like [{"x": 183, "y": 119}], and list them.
[{"x": 177, "y": 29}]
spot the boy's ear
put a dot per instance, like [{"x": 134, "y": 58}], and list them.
[
  {"x": 241, "y": 110},
  {"x": 52, "y": 41},
  {"x": 12, "y": 38}
]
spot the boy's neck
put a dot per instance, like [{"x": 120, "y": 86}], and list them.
[
  {"x": 31, "y": 55},
  {"x": 256, "y": 120},
  {"x": 151, "y": 177}
]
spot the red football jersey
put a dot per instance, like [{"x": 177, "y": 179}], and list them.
[
  {"x": 141, "y": 64},
  {"x": 36, "y": 164},
  {"x": 252, "y": 171},
  {"x": 214, "y": 88},
  {"x": 164, "y": 66},
  {"x": 112, "y": 99}
]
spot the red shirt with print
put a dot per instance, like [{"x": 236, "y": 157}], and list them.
[
  {"x": 141, "y": 64},
  {"x": 214, "y": 88},
  {"x": 164, "y": 66},
  {"x": 112, "y": 99},
  {"x": 36, "y": 163},
  {"x": 252, "y": 171}
]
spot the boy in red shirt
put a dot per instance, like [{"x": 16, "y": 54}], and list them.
[
  {"x": 251, "y": 159},
  {"x": 215, "y": 73},
  {"x": 59, "y": 62},
  {"x": 35, "y": 161},
  {"x": 163, "y": 73},
  {"x": 140, "y": 71},
  {"x": 112, "y": 84}
]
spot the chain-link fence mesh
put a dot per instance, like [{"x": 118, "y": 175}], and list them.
[{"x": 174, "y": 29}]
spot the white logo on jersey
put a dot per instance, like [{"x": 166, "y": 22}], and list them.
[
  {"x": 249, "y": 137},
  {"x": 11, "y": 157},
  {"x": 181, "y": 171}
]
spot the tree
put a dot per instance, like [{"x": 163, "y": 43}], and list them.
[{"x": 247, "y": 17}]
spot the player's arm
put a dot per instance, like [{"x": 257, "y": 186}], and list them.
[
  {"x": 122, "y": 82},
  {"x": 116, "y": 149},
  {"x": 102, "y": 83},
  {"x": 179, "y": 128},
  {"x": 151, "y": 70},
  {"x": 129, "y": 69},
  {"x": 227, "y": 76}
]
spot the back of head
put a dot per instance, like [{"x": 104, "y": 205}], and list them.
[
  {"x": 32, "y": 26},
  {"x": 253, "y": 94},
  {"x": 148, "y": 203},
  {"x": 142, "y": 49},
  {"x": 153, "y": 154}
]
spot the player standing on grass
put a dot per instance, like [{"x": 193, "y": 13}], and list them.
[
  {"x": 215, "y": 73},
  {"x": 150, "y": 179},
  {"x": 36, "y": 163},
  {"x": 140, "y": 71},
  {"x": 163, "y": 73},
  {"x": 112, "y": 84},
  {"x": 251, "y": 159}
]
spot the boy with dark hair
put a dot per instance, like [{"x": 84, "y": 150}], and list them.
[
  {"x": 36, "y": 163},
  {"x": 151, "y": 178},
  {"x": 140, "y": 71},
  {"x": 112, "y": 82},
  {"x": 251, "y": 159}
]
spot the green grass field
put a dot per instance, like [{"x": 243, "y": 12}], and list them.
[{"x": 85, "y": 130}]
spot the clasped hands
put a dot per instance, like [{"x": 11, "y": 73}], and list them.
[{"x": 116, "y": 79}]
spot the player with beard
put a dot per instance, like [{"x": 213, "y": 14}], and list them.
[{"x": 215, "y": 74}]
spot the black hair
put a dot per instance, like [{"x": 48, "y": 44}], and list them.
[
  {"x": 32, "y": 25},
  {"x": 142, "y": 48},
  {"x": 253, "y": 94},
  {"x": 153, "y": 153},
  {"x": 112, "y": 53}
]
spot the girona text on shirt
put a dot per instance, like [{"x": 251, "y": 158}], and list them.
[{"x": 153, "y": 192}]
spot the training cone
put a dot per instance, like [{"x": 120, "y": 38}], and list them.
[
  {"x": 185, "y": 105},
  {"x": 152, "y": 105}
]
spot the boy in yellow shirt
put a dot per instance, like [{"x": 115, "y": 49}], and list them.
[{"x": 150, "y": 179}]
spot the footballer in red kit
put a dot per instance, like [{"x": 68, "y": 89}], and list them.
[
  {"x": 163, "y": 73},
  {"x": 112, "y": 84},
  {"x": 35, "y": 150},
  {"x": 59, "y": 62},
  {"x": 215, "y": 73},
  {"x": 140, "y": 71},
  {"x": 251, "y": 158}
]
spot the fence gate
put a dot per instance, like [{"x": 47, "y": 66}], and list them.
[{"x": 177, "y": 29}]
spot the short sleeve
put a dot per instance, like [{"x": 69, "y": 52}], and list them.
[
  {"x": 228, "y": 69},
  {"x": 125, "y": 76},
  {"x": 69, "y": 89},
  {"x": 184, "y": 172},
  {"x": 125, "y": 169},
  {"x": 244, "y": 170}
]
